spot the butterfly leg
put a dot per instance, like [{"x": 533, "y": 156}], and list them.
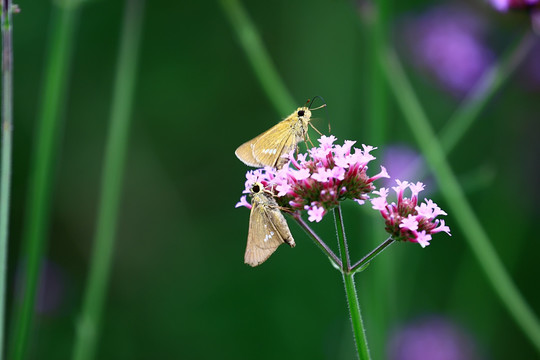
[
  {"x": 308, "y": 140},
  {"x": 317, "y": 130}
]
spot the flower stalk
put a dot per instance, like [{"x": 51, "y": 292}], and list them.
[
  {"x": 362, "y": 263},
  {"x": 7, "y": 137},
  {"x": 57, "y": 70},
  {"x": 350, "y": 289},
  {"x": 111, "y": 183}
]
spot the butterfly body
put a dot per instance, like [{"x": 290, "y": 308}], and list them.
[
  {"x": 269, "y": 148},
  {"x": 267, "y": 227}
]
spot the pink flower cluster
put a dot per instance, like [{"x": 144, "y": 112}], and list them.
[
  {"x": 406, "y": 220},
  {"x": 330, "y": 173},
  {"x": 319, "y": 180}
]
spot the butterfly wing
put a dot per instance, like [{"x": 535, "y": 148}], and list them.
[
  {"x": 267, "y": 230},
  {"x": 245, "y": 153},
  {"x": 267, "y": 148},
  {"x": 274, "y": 143}
]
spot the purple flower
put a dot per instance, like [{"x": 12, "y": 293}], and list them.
[
  {"x": 406, "y": 220},
  {"x": 448, "y": 43},
  {"x": 432, "y": 338}
]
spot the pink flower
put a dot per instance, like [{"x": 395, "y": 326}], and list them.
[
  {"x": 316, "y": 213},
  {"x": 407, "y": 221},
  {"x": 243, "y": 202}
]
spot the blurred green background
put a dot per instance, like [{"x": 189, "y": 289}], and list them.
[{"x": 179, "y": 288}]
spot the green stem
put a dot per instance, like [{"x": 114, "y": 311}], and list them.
[
  {"x": 360, "y": 265},
  {"x": 475, "y": 235},
  {"x": 5, "y": 175},
  {"x": 492, "y": 80},
  {"x": 42, "y": 169},
  {"x": 342, "y": 239},
  {"x": 356, "y": 317},
  {"x": 350, "y": 289},
  {"x": 258, "y": 57},
  {"x": 111, "y": 183},
  {"x": 318, "y": 241},
  {"x": 375, "y": 15}
]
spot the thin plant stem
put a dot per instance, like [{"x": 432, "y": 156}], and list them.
[
  {"x": 111, "y": 183},
  {"x": 366, "y": 259},
  {"x": 350, "y": 289},
  {"x": 342, "y": 239},
  {"x": 475, "y": 234},
  {"x": 57, "y": 69},
  {"x": 5, "y": 176},
  {"x": 492, "y": 80},
  {"x": 318, "y": 241},
  {"x": 258, "y": 57},
  {"x": 374, "y": 15}
]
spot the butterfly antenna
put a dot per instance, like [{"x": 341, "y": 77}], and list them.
[
  {"x": 319, "y": 107},
  {"x": 313, "y": 100}
]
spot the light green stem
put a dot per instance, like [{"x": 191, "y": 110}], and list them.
[
  {"x": 492, "y": 80},
  {"x": 42, "y": 169},
  {"x": 461, "y": 210},
  {"x": 350, "y": 289},
  {"x": 258, "y": 57},
  {"x": 111, "y": 183},
  {"x": 374, "y": 15},
  {"x": 5, "y": 175}
]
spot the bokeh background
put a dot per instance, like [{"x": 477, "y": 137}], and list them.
[{"x": 179, "y": 288}]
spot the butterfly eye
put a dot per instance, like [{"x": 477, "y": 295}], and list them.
[
  {"x": 300, "y": 113},
  {"x": 256, "y": 188}
]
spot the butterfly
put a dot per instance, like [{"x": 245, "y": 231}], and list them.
[
  {"x": 267, "y": 227},
  {"x": 269, "y": 148}
]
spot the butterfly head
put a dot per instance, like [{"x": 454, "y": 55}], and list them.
[
  {"x": 303, "y": 113},
  {"x": 257, "y": 188}
]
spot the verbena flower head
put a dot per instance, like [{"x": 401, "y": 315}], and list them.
[
  {"x": 319, "y": 180},
  {"x": 406, "y": 220}
]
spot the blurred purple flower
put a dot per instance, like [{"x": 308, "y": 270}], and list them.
[
  {"x": 51, "y": 287},
  {"x": 530, "y": 71},
  {"x": 535, "y": 19},
  {"x": 505, "y": 5},
  {"x": 403, "y": 162},
  {"x": 432, "y": 338},
  {"x": 448, "y": 42}
]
